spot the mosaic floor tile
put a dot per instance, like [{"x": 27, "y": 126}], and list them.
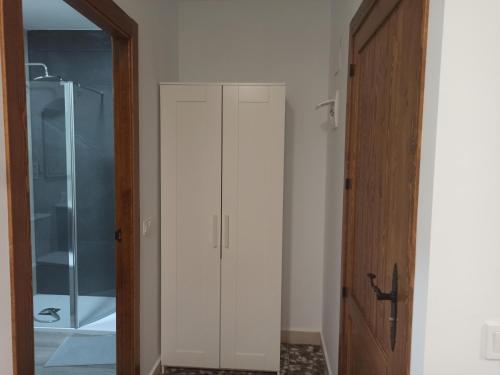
[{"x": 295, "y": 359}]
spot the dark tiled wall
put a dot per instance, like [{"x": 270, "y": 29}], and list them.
[{"x": 84, "y": 57}]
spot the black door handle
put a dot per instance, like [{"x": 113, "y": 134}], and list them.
[
  {"x": 391, "y": 296},
  {"x": 381, "y": 296}
]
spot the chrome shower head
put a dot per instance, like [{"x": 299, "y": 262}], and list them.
[{"x": 46, "y": 76}]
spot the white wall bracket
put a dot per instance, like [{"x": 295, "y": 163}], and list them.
[{"x": 333, "y": 113}]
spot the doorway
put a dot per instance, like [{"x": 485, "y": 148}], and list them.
[
  {"x": 387, "y": 63},
  {"x": 71, "y": 161},
  {"x": 71, "y": 125}
]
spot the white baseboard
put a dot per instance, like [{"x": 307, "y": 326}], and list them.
[
  {"x": 325, "y": 354},
  {"x": 300, "y": 338},
  {"x": 156, "y": 370}
]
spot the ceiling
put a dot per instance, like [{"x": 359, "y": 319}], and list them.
[{"x": 53, "y": 15}]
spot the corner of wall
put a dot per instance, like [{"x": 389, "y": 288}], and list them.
[
  {"x": 342, "y": 12},
  {"x": 426, "y": 184}
]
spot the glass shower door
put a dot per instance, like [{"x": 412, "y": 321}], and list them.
[
  {"x": 71, "y": 137},
  {"x": 51, "y": 166},
  {"x": 95, "y": 204}
]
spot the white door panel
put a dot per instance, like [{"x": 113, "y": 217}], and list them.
[
  {"x": 252, "y": 206},
  {"x": 191, "y": 200}
]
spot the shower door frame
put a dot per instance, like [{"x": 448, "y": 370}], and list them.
[
  {"x": 69, "y": 108},
  {"x": 69, "y": 134},
  {"x": 124, "y": 32}
]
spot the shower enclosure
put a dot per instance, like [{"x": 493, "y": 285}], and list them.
[{"x": 71, "y": 155}]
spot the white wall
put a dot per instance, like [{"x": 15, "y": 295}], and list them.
[
  {"x": 424, "y": 216},
  {"x": 157, "y": 62},
  {"x": 464, "y": 261},
  {"x": 276, "y": 41},
  {"x": 342, "y": 13}
]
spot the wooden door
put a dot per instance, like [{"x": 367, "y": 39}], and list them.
[
  {"x": 252, "y": 207},
  {"x": 191, "y": 206},
  {"x": 383, "y": 150}
]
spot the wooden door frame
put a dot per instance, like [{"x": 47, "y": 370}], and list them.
[
  {"x": 124, "y": 32},
  {"x": 366, "y": 8}
]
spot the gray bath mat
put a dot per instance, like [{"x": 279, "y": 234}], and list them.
[{"x": 85, "y": 350}]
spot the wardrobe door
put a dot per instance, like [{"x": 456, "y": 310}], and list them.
[
  {"x": 252, "y": 209},
  {"x": 191, "y": 207}
]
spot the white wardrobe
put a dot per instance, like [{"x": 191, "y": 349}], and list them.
[{"x": 222, "y": 151}]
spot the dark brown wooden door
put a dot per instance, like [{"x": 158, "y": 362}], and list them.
[{"x": 383, "y": 151}]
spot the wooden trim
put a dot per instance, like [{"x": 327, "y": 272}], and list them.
[
  {"x": 412, "y": 241},
  {"x": 107, "y": 15},
  {"x": 357, "y": 22},
  {"x": 16, "y": 148},
  {"x": 127, "y": 204},
  {"x": 124, "y": 31},
  {"x": 348, "y": 201}
]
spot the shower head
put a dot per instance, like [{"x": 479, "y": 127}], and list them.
[{"x": 46, "y": 76}]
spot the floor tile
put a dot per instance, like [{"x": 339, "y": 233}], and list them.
[{"x": 295, "y": 359}]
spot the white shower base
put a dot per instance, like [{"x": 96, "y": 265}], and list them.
[
  {"x": 106, "y": 324},
  {"x": 89, "y": 308}
]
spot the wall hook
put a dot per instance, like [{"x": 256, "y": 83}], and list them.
[{"x": 333, "y": 105}]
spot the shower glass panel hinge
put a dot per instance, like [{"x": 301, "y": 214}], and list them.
[{"x": 118, "y": 235}]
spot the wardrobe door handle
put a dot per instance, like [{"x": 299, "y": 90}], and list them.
[
  {"x": 215, "y": 231},
  {"x": 226, "y": 232}
]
